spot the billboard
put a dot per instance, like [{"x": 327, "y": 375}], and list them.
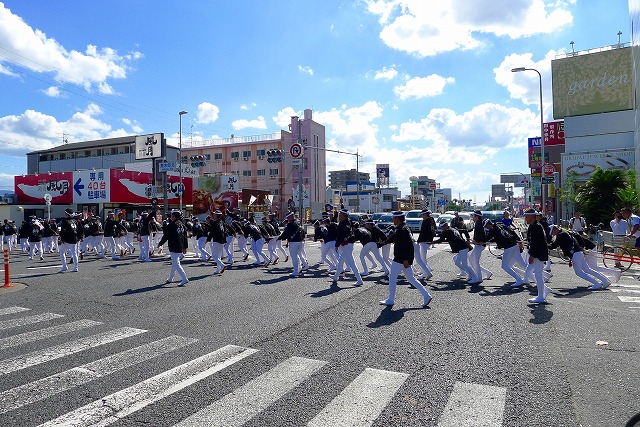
[
  {"x": 214, "y": 192},
  {"x": 133, "y": 187},
  {"x": 382, "y": 174},
  {"x": 598, "y": 82},
  {"x": 149, "y": 146},
  {"x": 32, "y": 188},
  {"x": 92, "y": 186},
  {"x": 586, "y": 163},
  {"x": 553, "y": 133}
]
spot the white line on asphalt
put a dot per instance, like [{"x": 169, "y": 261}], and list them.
[
  {"x": 118, "y": 405},
  {"x": 47, "y": 266},
  {"x": 239, "y": 406},
  {"x": 629, "y": 299},
  {"x": 22, "y": 321},
  {"x": 57, "y": 383},
  {"x": 474, "y": 405},
  {"x": 631, "y": 291},
  {"x": 41, "y": 356},
  {"x": 12, "y": 310},
  {"x": 52, "y": 331},
  {"x": 625, "y": 285},
  {"x": 362, "y": 401}
]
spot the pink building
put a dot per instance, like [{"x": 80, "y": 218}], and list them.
[{"x": 247, "y": 158}]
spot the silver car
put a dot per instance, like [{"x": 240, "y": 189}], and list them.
[{"x": 414, "y": 220}]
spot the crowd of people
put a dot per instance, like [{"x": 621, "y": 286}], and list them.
[{"x": 525, "y": 258}]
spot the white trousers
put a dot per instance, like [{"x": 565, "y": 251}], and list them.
[
  {"x": 202, "y": 247},
  {"x": 228, "y": 248},
  {"x": 36, "y": 246},
  {"x": 281, "y": 248},
  {"x": 24, "y": 244},
  {"x": 257, "y": 249},
  {"x": 72, "y": 248},
  {"x": 592, "y": 261},
  {"x": 582, "y": 270},
  {"x": 396, "y": 269},
  {"x": 328, "y": 254},
  {"x": 461, "y": 261},
  {"x": 242, "y": 244},
  {"x": 294, "y": 249},
  {"x": 420, "y": 254},
  {"x": 367, "y": 250},
  {"x": 272, "y": 247},
  {"x": 176, "y": 266},
  {"x": 345, "y": 256},
  {"x": 474, "y": 261},
  {"x": 510, "y": 257},
  {"x": 537, "y": 269},
  {"x": 216, "y": 254},
  {"x": 144, "y": 248}
]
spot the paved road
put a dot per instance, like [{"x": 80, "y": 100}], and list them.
[{"x": 114, "y": 344}]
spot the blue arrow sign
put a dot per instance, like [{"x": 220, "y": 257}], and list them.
[{"x": 77, "y": 186}]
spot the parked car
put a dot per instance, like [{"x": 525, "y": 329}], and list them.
[
  {"x": 442, "y": 219},
  {"x": 414, "y": 220},
  {"x": 468, "y": 221},
  {"x": 376, "y": 216},
  {"x": 358, "y": 216},
  {"x": 492, "y": 215},
  {"x": 385, "y": 221}
]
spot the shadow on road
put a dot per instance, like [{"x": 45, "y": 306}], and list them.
[
  {"x": 332, "y": 289},
  {"x": 578, "y": 292},
  {"x": 389, "y": 316},
  {"x": 145, "y": 289},
  {"x": 540, "y": 314}
]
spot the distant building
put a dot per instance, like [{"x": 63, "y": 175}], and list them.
[
  {"x": 338, "y": 179},
  {"x": 365, "y": 198}
]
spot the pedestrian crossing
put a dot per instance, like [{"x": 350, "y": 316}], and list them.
[
  {"x": 627, "y": 293},
  {"x": 360, "y": 403}
]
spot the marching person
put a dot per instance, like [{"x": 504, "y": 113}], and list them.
[
  {"x": 344, "y": 247},
  {"x": 591, "y": 258},
  {"x": 175, "y": 233},
  {"x": 201, "y": 232},
  {"x": 194, "y": 238},
  {"x": 363, "y": 236},
  {"x": 385, "y": 247},
  {"x": 507, "y": 239},
  {"x": 8, "y": 232},
  {"x": 425, "y": 239},
  {"x": 572, "y": 249},
  {"x": 126, "y": 234},
  {"x": 294, "y": 235},
  {"x": 272, "y": 241},
  {"x": 111, "y": 231},
  {"x": 377, "y": 238},
  {"x": 230, "y": 231},
  {"x": 538, "y": 253},
  {"x": 144, "y": 233},
  {"x": 217, "y": 238},
  {"x": 479, "y": 241},
  {"x": 257, "y": 244},
  {"x": 460, "y": 249},
  {"x": 403, "y": 255},
  {"x": 329, "y": 243},
  {"x": 23, "y": 235},
  {"x": 36, "y": 230},
  {"x": 276, "y": 225},
  {"x": 48, "y": 236},
  {"x": 71, "y": 232}
]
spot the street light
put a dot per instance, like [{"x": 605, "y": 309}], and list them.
[
  {"x": 517, "y": 70},
  {"x": 181, "y": 113}
]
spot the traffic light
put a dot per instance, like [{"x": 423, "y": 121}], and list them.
[
  {"x": 198, "y": 161},
  {"x": 275, "y": 156}
]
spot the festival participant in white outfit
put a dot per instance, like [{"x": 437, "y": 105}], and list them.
[
  {"x": 507, "y": 239},
  {"x": 230, "y": 231},
  {"x": 217, "y": 239},
  {"x": 257, "y": 243},
  {"x": 590, "y": 256},
  {"x": 8, "y": 232},
  {"x": 35, "y": 237},
  {"x": 379, "y": 237},
  {"x": 303, "y": 252},
  {"x": 329, "y": 243},
  {"x": 294, "y": 235},
  {"x": 459, "y": 248},
  {"x": 175, "y": 233},
  {"x": 23, "y": 235},
  {"x": 403, "y": 256},
  {"x": 276, "y": 226},
  {"x": 538, "y": 253},
  {"x": 71, "y": 232},
  {"x": 344, "y": 247},
  {"x": 572, "y": 249},
  {"x": 363, "y": 236},
  {"x": 126, "y": 237},
  {"x": 479, "y": 241},
  {"x": 201, "y": 233},
  {"x": 111, "y": 232},
  {"x": 425, "y": 239},
  {"x": 272, "y": 241},
  {"x": 144, "y": 233}
]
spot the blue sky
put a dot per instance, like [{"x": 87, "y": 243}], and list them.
[{"x": 422, "y": 85}]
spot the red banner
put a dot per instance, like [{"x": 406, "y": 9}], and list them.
[
  {"x": 135, "y": 187},
  {"x": 554, "y": 133},
  {"x": 32, "y": 188}
]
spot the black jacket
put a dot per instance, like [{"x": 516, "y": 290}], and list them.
[
  {"x": 216, "y": 232},
  {"x": 567, "y": 243},
  {"x": 504, "y": 237},
  {"x": 427, "y": 230},
  {"x": 70, "y": 230},
  {"x": 452, "y": 236},
  {"x": 362, "y": 235},
  {"x": 176, "y": 234},
  {"x": 479, "y": 236},
  {"x": 293, "y": 232},
  {"x": 332, "y": 232},
  {"x": 537, "y": 242},
  {"x": 403, "y": 248},
  {"x": 344, "y": 234}
]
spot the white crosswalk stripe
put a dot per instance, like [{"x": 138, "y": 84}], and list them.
[
  {"x": 362, "y": 401},
  {"x": 52, "y": 331},
  {"x": 240, "y": 406},
  {"x": 55, "y": 384},
  {"x": 41, "y": 356},
  {"x": 29, "y": 320},
  {"x": 359, "y": 404}
]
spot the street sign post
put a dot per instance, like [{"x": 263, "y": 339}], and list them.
[
  {"x": 167, "y": 166},
  {"x": 433, "y": 186},
  {"x": 548, "y": 170},
  {"x": 296, "y": 150}
]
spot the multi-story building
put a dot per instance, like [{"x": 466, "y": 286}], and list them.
[
  {"x": 248, "y": 158},
  {"x": 338, "y": 179}
]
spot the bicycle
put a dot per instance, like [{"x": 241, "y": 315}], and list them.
[
  {"x": 494, "y": 250},
  {"x": 621, "y": 257}
]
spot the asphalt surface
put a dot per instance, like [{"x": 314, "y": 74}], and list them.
[{"x": 546, "y": 359}]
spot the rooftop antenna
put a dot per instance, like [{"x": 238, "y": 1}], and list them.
[
  {"x": 619, "y": 34},
  {"x": 573, "y": 52}
]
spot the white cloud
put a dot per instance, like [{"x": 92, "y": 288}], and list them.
[
  {"x": 207, "y": 113},
  {"x": 53, "y": 92},
  {"x": 5, "y": 70},
  {"x": 246, "y": 107},
  {"x": 427, "y": 28},
  {"x": 258, "y": 123},
  {"x": 135, "y": 126},
  {"x": 422, "y": 87},
  {"x": 32, "y": 49},
  {"x": 305, "y": 69},
  {"x": 283, "y": 118},
  {"x": 386, "y": 74}
]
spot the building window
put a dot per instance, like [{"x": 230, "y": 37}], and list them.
[
  {"x": 353, "y": 202},
  {"x": 275, "y": 192},
  {"x": 217, "y": 156},
  {"x": 246, "y": 153},
  {"x": 262, "y": 172},
  {"x": 235, "y": 154},
  {"x": 262, "y": 152},
  {"x": 246, "y": 173},
  {"x": 87, "y": 153},
  {"x": 273, "y": 172},
  {"x": 387, "y": 198}
]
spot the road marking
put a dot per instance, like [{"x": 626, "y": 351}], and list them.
[
  {"x": 52, "y": 331},
  {"x": 118, "y": 405},
  {"x": 629, "y": 299},
  {"x": 239, "y": 406},
  {"x": 22, "y": 321},
  {"x": 45, "y": 267},
  {"x": 362, "y": 401},
  {"x": 625, "y": 285},
  {"x": 57, "y": 383},
  {"x": 474, "y": 405},
  {"x": 12, "y": 310},
  {"x": 48, "y": 354},
  {"x": 631, "y": 291}
]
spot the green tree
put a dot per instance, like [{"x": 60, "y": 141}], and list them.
[
  {"x": 452, "y": 206},
  {"x": 603, "y": 193},
  {"x": 628, "y": 195}
]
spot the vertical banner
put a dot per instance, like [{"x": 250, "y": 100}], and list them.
[{"x": 382, "y": 174}]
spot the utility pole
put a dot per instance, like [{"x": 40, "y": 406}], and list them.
[{"x": 300, "y": 189}]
